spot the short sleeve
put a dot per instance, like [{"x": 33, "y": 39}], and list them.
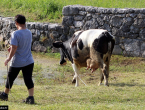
[{"x": 14, "y": 40}]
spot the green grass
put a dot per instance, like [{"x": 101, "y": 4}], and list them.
[
  {"x": 51, "y": 10},
  {"x": 126, "y": 90}
]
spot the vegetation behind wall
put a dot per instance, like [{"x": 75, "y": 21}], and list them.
[{"x": 51, "y": 10}]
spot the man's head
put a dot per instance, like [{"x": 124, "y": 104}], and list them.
[{"x": 20, "y": 19}]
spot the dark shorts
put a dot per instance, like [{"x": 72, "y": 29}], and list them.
[{"x": 27, "y": 74}]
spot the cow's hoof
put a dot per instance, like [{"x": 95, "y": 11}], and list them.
[
  {"x": 107, "y": 85},
  {"x": 100, "y": 84},
  {"x": 74, "y": 81}
]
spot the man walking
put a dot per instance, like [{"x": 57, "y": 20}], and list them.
[{"x": 20, "y": 58}]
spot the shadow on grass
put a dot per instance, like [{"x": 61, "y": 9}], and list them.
[{"x": 126, "y": 84}]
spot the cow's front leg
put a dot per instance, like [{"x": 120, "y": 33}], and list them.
[
  {"x": 104, "y": 71},
  {"x": 75, "y": 78}
]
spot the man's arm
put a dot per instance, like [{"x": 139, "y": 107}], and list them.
[{"x": 13, "y": 49}]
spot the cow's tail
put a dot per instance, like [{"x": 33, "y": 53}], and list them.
[{"x": 111, "y": 39}]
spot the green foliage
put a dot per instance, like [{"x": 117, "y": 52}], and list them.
[
  {"x": 51, "y": 10},
  {"x": 37, "y": 67}
]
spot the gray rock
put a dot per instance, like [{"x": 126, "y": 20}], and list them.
[
  {"x": 46, "y": 34},
  {"x": 54, "y": 34},
  {"x": 70, "y": 10},
  {"x": 66, "y": 29},
  {"x": 48, "y": 42},
  {"x": 68, "y": 21},
  {"x": 117, "y": 40},
  {"x": 87, "y": 25},
  {"x": 38, "y": 33},
  {"x": 77, "y": 29},
  {"x": 34, "y": 38},
  {"x": 83, "y": 13},
  {"x": 45, "y": 27},
  {"x": 28, "y": 25},
  {"x": 59, "y": 29},
  {"x": 71, "y": 31},
  {"x": 122, "y": 11},
  {"x": 133, "y": 15},
  {"x": 142, "y": 33},
  {"x": 33, "y": 31},
  {"x": 140, "y": 23},
  {"x": 116, "y": 21},
  {"x": 104, "y": 10},
  {"x": 134, "y": 29},
  {"x": 90, "y": 9},
  {"x": 100, "y": 20},
  {"x": 117, "y": 50},
  {"x": 36, "y": 46},
  {"x": 132, "y": 45},
  {"x": 125, "y": 28},
  {"x": 88, "y": 16},
  {"x": 52, "y": 27},
  {"x": 32, "y": 26},
  {"x": 130, "y": 35},
  {"x": 79, "y": 18},
  {"x": 63, "y": 38},
  {"x": 78, "y": 23},
  {"x": 43, "y": 49},
  {"x": 128, "y": 21},
  {"x": 106, "y": 18},
  {"x": 37, "y": 26},
  {"x": 107, "y": 27},
  {"x": 142, "y": 11},
  {"x": 117, "y": 32},
  {"x": 142, "y": 16}
]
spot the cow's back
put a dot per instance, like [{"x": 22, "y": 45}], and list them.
[{"x": 89, "y": 36}]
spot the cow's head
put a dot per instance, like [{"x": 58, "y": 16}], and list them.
[{"x": 64, "y": 51}]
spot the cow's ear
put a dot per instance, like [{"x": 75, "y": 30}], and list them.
[{"x": 58, "y": 44}]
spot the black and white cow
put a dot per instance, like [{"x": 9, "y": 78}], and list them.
[{"x": 91, "y": 48}]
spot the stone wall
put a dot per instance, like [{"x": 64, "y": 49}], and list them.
[
  {"x": 43, "y": 33},
  {"x": 127, "y": 25}
]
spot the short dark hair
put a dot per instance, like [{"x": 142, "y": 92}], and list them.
[{"x": 20, "y": 19}]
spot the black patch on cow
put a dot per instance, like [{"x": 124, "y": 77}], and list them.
[
  {"x": 106, "y": 59},
  {"x": 110, "y": 39},
  {"x": 67, "y": 53},
  {"x": 57, "y": 44},
  {"x": 80, "y": 44},
  {"x": 74, "y": 50},
  {"x": 62, "y": 54},
  {"x": 101, "y": 56},
  {"x": 101, "y": 44}
]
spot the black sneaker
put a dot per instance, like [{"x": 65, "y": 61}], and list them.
[
  {"x": 29, "y": 100},
  {"x": 3, "y": 97}
]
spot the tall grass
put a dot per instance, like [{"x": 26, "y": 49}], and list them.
[{"x": 51, "y": 10}]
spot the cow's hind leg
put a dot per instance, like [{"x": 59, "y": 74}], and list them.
[
  {"x": 101, "y": 78},
  {"x": 75, "y": 78},
  {"x": 104, "y": 71}
]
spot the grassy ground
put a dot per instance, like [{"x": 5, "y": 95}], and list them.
[
  {"x": 51, "y": 10},
  {"x": 126, "y": 90}
]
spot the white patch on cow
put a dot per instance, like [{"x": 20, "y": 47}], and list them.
[
  {"x": 76, "y": 33},
  {"x": 76, "y": 70},
  {"x": 89, "y": 36}
]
